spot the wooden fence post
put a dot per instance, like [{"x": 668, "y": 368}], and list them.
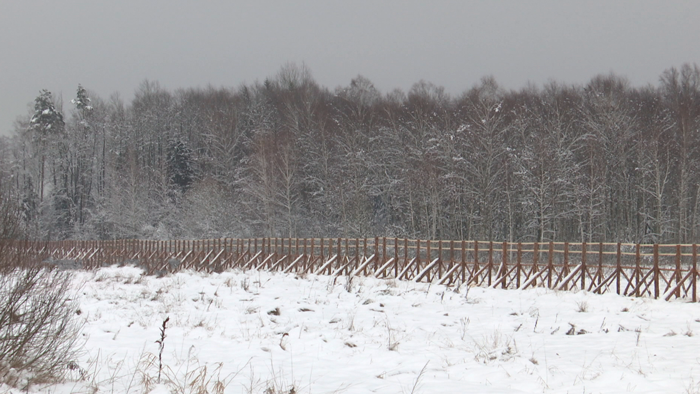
[
  {"x": 429, "y": 258},
  {"x": 550, "y": 264},
  {"x": 417, "y": 256},
  {"x": 440, "y": 259},
  {"x": 340, "y": 261},
  {"x": 518, "y": 265},
  {"x": 396, "y": 256},
  {"x": 384, "y": 259},
  {"x": 504, "y": 272},
  {"x": 490, "y": 263},
  {"x": 600, "y": 274},
  {"x": 464, "y": 261},
  {"x": 565, "y": 269},
  {"x": 376, "y": 252},
  {"x": 405, "y": 257},
  {"x": 694, "y": 276},
  {"x": 535, "y": 259},
  {"x": 584, "y": 268},
  {"x": 311, "y": 259},
  {"x": 439, "y": 272},
  {"x": 679, "y": 277},
  {"x": 618, "y": 269},
  {"x": 323, "y": 254},
  {"x": 636, "y": 270},
  {"x": 656, "y": 270}
]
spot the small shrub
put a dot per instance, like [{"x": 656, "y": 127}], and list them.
[
  {"x": 349, "y": 283},
  {"x": 39, "y": 326},
  {"x": 495, "y": 346},
  {"x": 582, "y": 306}
]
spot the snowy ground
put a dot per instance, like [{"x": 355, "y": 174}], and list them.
[{"x": 261, "y": 332}]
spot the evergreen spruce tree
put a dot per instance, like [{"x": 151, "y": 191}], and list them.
[
  {"x": 82, "y": 101},
  {"x": 77, "y": 201},
  {"x": 46, "y": 121}
]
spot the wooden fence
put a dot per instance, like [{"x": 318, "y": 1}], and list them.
[{"x": 640, "y": 270}]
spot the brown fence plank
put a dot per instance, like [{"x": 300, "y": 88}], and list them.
[{"x": 659, "y": 271}]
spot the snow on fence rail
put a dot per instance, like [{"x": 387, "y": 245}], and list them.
[{"x": 640, "y": 270}]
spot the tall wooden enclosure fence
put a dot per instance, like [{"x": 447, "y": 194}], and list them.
[{"x": 640, "y": 270}]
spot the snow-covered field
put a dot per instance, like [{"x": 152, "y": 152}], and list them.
[{"x": 261, "y": 332}]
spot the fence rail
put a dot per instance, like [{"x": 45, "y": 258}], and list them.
[{"x": 640, "y": 270}]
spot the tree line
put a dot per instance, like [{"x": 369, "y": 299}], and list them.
[{"x": 603, "y": 161}]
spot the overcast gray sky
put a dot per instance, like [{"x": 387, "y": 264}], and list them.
[{"x": 113, "y": 46}]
